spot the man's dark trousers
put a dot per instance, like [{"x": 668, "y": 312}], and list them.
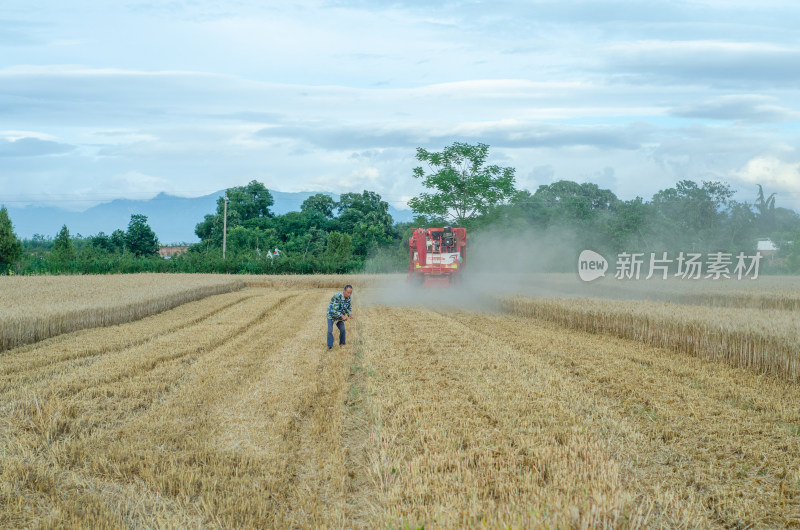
[{"x": 340, "y": 325}]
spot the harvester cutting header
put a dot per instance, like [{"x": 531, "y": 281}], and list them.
[{"x": 437, "y": 255}]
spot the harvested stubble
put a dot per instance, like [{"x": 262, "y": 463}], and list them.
[
  {"x": 703, "y": 444},
  {"x": 33, "y": 308},
  {"x": 459, "y": 431},
  {"x": 767, "y": 341},
  {"x": 230, "y": 412},
  {"x": 227, "y": 420}
]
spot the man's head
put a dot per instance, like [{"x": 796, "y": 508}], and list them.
[{"x": 348, "y": 290}]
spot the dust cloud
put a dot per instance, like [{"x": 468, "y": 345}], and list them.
[
  {"x": 499, "y": 262},
  {"x": 502, "y": 262}
]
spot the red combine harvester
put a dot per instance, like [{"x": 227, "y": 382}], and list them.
[{"x": 437, "y": 255}]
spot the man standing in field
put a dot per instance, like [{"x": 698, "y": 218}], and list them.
[{"x": 339, "y": 310}]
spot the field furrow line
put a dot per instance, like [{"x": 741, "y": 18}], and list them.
[{"x": 314, "y": 492}]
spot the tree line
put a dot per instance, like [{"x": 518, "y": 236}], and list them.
[
  {"x": 357, "y": 233},
  {"x": 325, "y": 236}
]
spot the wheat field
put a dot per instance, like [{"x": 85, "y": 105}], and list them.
[
  {"x": 765, "y": 340},
  {"x": 230, "y": 412},
  {"x": 33, "y": 308}
]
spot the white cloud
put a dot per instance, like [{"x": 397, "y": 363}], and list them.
[
  {"x": 705, "y": 62},
  {"x": 752, "y": 108},
  {"x": 18, "y": 135},
  {"x": 191, "y": 97},
  {"x": 771, "y": 172}
]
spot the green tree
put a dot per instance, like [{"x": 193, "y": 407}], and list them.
[
  {"x": 785, "y": 220},
  {"x": 246, "y": 203},
  {"x": 63, "y": 250},
  {"x": 210, "y": 229},
  {"x": 575, "y": 203},
  {"x": 241, "y": 239},
  {"x": 463, "y": 187},
  {"x": 10, "y": 246},
  {"x": 739, "y": 229},
  {"x": 140, "y": 238},
  {"x": 365, "y": 216},
  {"x": 319, "y": 203},
  {"x": 630, "y": 227},
  {"x": 339, "y": 247},
  {"x": 292, "y": 224},
  {"x": 38, "y": 242},
  {"x": 689, "y": 216},
  {"x": 118, "y": 240},
  {"x": 102, "y": 243},
  {"x": 247, "y": 206},
  {"x": 789, "y": 249}
]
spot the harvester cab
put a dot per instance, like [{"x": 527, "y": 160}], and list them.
[{"x": 437, "y": 256}]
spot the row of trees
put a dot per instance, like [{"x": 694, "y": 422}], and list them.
[
  {"x": 562, "y": 218},
  {"x": 324, "y": 236},
  {"x": 701, "y": 217},
  {"x": 690, "y": 216},
  {"x": 357, "y": 232},
  {"x": 360, "y": 220},
  {"x": 67, "y": 254}
]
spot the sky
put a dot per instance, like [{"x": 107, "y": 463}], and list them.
[{"x": 126, "y": 99}]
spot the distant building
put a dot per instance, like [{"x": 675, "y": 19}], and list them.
[
  {"x": 766, "y": 248},
  {"x": 168, "y": 252},
  {"x": 765, "y": 244}
]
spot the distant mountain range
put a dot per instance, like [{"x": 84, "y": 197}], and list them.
[{"x": 172, "y": 218}]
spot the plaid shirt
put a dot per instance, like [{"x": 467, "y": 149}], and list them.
[{"x": 339, "y": 307}]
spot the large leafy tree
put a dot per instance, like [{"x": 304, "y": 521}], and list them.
[
  {"x": 365, "y": 216},
  {"x": 247, "y": 206},
  {"x": 629, "y": 229},
  {"x": 319, "y": 203},
  {"x": 690, "y": 215},
  {"x": 462, "y": 185},
  {"x": 573, "y": 202},
  {"x": 10, "y": 246},
  {"x": 140, "y": 238},
  {"x": 247, "y": 203},
  {"x": 764, "y": 204},
  {"x": 118, "y": 240}
]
